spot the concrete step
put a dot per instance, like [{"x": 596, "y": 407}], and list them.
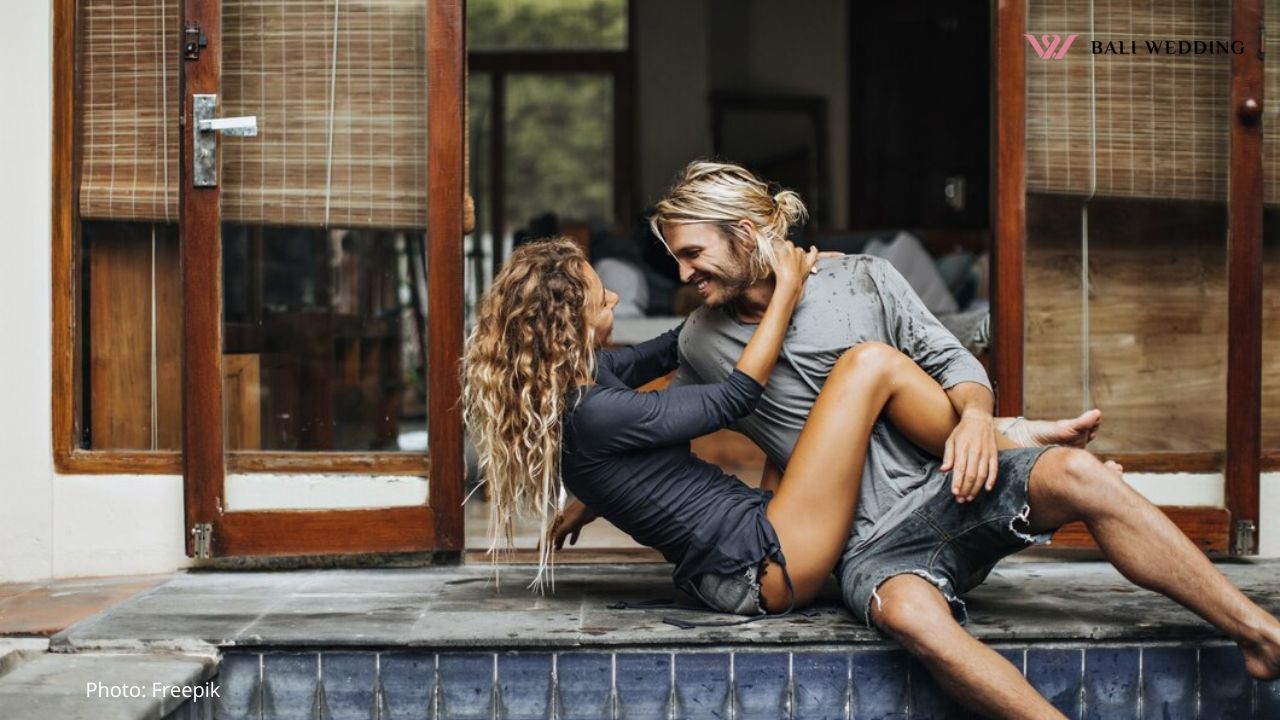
[{"x": 103, "y": 686}]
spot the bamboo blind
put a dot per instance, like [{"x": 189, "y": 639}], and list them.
[
  {"x": 338, "y": 86},
  {"x": 1149, "y": 126}
]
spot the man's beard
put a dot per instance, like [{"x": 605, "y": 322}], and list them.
[{"x": 734, "y": 282}]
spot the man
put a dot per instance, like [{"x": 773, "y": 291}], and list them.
[{"x": 926, "y": 530}]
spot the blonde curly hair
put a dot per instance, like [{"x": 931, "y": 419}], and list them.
[
  {"x": 530, "y": 346},
  {"x": 708, "y": 191}
]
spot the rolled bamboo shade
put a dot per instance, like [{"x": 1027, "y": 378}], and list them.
[
  {"x": 1148, "y": 126},
  {"x": 338, "y": 86}
]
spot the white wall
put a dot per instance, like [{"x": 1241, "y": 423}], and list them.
[{"x": 26, "y": 491}]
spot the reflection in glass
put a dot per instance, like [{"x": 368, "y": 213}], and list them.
[{"x": 323, "y": 339}]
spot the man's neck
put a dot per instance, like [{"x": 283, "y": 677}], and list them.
[{"x": 750, "y": 306}]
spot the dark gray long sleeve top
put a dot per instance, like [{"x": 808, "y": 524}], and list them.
[{"x": 626, "y": 455}]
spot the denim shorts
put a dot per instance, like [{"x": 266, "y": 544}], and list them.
[
  {"x": 737, "y": 593},
  {"x": 952, "y": 545}
]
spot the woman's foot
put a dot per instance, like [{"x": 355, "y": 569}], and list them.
[{"x": 1076, "y": 432}]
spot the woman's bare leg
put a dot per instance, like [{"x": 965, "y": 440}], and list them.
[{"x": 813, "y": 508}]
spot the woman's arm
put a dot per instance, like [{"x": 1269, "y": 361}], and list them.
[
  {"x": 614, "y": 419},
  {"x": 650, "y": 360},
  {"x": 761, "y": 353}
]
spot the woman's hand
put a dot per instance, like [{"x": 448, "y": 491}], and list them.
[
  {"x": 569, "y": 523},
  {"x": 794, "y": 268}
]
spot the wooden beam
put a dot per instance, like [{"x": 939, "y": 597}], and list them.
[
  {"x": 1009, "y": 198},
  {"x": 1244, "y": 274},
  {"x": 1208, "y": 528},
  {"x": 66, "y": 386},
  {"x": 307, "y": 532},
  {"x": 199, "y": 239},
  {"x": 446, "y": 87}
]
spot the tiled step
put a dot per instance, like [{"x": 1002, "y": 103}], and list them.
[
  {"x": 102, "y": 686},
  {"x": 1083, "y": 681}
]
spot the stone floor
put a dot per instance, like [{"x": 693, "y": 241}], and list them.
[
  {"x": 44, "y": 608},
  {"x": 461, "y": 607}
]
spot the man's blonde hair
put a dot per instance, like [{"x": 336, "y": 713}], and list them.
[{"x": 724, "y": 193}]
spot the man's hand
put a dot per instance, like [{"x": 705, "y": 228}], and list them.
[
  {"x": 568, "y": 524},
  {"x": 971, "y": 455}
]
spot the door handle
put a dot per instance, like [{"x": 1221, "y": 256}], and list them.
[
  {"x": 204, "y": 137},
  {"x": 246, "y": 126}
]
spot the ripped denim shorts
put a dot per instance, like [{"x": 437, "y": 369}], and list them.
[
  {"x": 950, "y": 544},
  {"x": 737, "y": 593}
]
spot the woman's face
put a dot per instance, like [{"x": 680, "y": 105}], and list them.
[{"x": 599, "y": 310}]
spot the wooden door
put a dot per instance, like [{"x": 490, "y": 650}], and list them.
[{"x": 307, "y": 363}]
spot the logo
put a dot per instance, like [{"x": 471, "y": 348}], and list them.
[{"x": 1045, "y": 47}]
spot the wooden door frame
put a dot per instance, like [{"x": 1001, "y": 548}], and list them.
[
  {"x": 1212, "y": 528},
  {"x": 436, "y": 526}
]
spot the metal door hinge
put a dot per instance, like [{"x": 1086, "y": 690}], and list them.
[
  {"x": 1246, "y": 531},
  {"x": 193, "y": 41},
  {"x": 203, "y": 534}
]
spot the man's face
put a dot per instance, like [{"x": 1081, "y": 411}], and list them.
[{"x": 709, "y": 261}]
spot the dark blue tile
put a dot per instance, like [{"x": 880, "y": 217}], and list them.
[
  {"x": 1168, "y": 683},
  {"x": 349, "y": 685},
  {"x": 290, "y": 681},
  {"x": 644, "y": 685},
  {"x": 526, "y": 686},
  {"x": 761, "y": 685},
  {"x": 466, "y": 687},
  {"x": 702, "y": 685},
  {"x": 583, "y": 680},
  {"x": 1058, "y": 674},
  {"x": 1016, "y": 657},
  {"x": 238, "y": 687},
  {"x": 1111, "y": 683},
  {"x": 880, "y": 688},
  {"x": 822, "y": 685},
  {"x": 1268, "y": 699},
  {"x": 928, "y": 701},
  {"x": 407, "y": 680},
  {"x": 1226, "y": 690}
]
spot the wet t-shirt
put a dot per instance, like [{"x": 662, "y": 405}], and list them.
[
  {"x": 853, "y": 299},
  {"x": 626, "y": 455}
]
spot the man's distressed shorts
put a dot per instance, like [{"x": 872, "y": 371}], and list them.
[{"x": 952, "y": 545}]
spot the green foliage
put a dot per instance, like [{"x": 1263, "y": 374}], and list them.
[{"x": 546, "y": 24}]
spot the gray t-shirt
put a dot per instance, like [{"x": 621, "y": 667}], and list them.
[{"x": 850, "y": 300}]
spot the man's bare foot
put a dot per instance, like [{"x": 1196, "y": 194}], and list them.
[
  {"x": 1076, "y": 432},
  {"x": 1262, "y": 654}
]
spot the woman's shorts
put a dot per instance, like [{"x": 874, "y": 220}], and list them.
[
  {"x": 952, "y": 545},
  {"x": 737, "y": 592}
]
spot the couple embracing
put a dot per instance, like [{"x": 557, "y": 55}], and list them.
[{"x": 885, "y": 463}]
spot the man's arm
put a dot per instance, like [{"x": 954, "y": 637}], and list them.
[{"x": 971, "y": 453}]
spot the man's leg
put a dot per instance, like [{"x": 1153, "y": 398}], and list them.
[
  {"x": 1067, "y": 485},
  {"x": 913, "y": 612}
]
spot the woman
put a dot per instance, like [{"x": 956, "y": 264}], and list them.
[{"x": 545, "y": 404}]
